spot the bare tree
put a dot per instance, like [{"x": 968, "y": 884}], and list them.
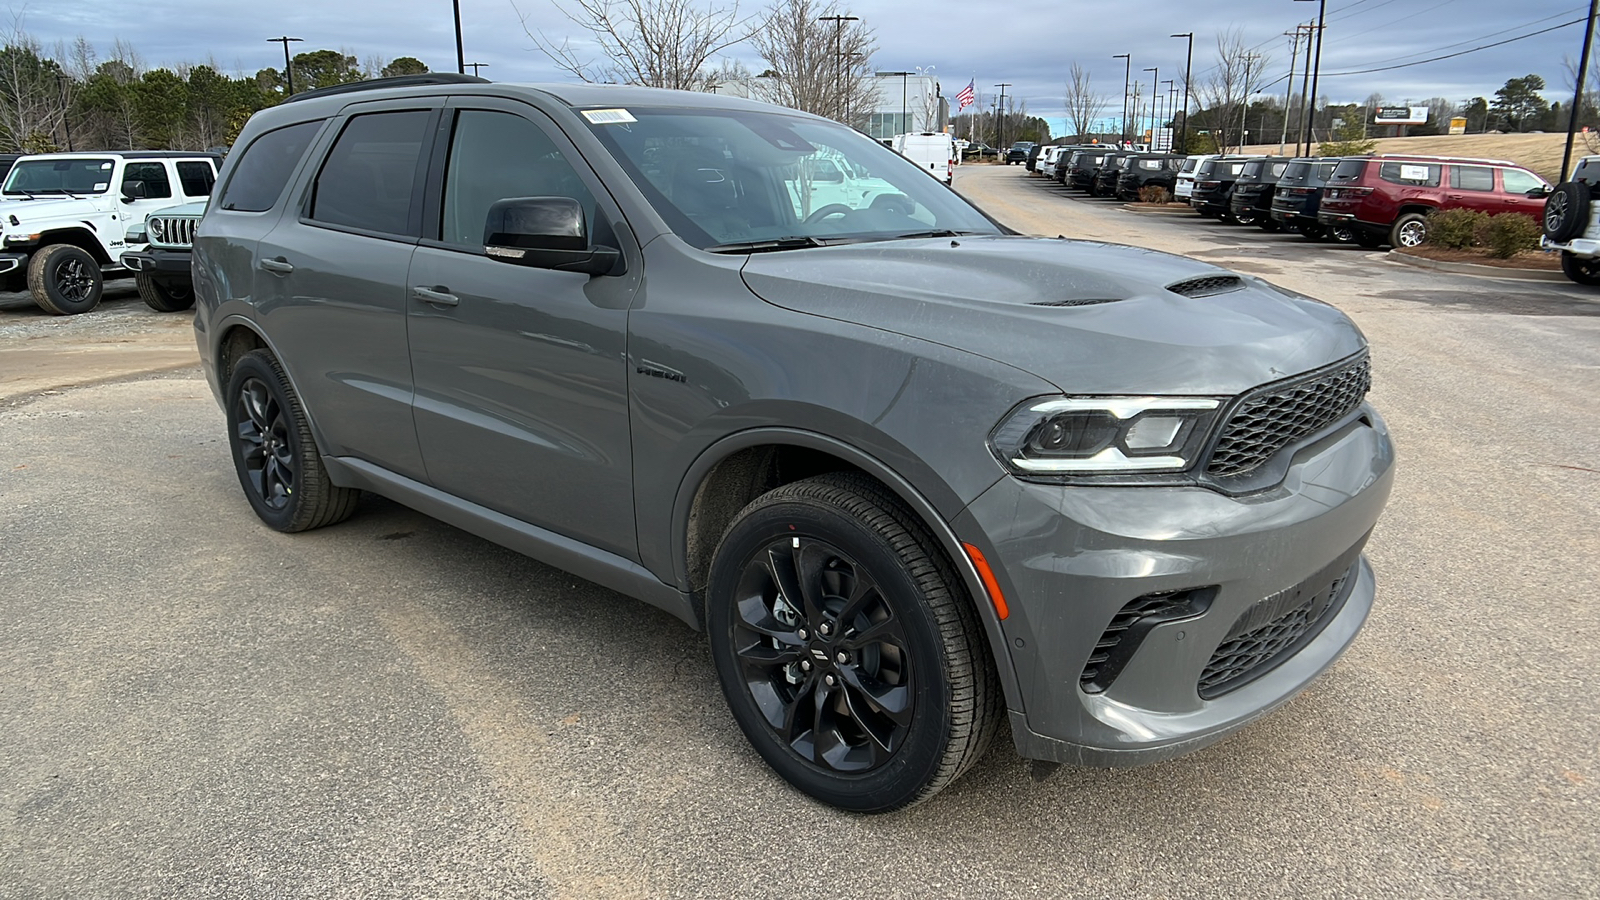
[
  {"x": 822, "y": 67},
  {"x": 34, "y": 93},
  {"x": 656, "y": 43},
  {"x": 1224, "y": 89},
  {"x": 1083, "y": 104}
]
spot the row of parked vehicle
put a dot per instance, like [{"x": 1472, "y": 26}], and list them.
[{"x": 1369, "y": 200}]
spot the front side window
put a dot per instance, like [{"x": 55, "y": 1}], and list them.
[
  {"x": 153, "y": 175},
  {"x": 496, "y": 156},
  {"x": 735, "y": 176},
  {"x": 197, "y": 178},
  {"x": 59, "y": 176},
  {"x": 265, "y": 166},
  {"x": 371, "y": 173},
  {"x": 1520, "y": 182}
]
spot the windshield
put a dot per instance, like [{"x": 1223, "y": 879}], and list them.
[
  {"x": 59, "y": 176},
  {"x": 733, "y": 177}
]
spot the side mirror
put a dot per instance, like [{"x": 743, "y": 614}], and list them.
[
  {"x": 546, "y": 233},
  {"x": 132, "y": 190},
  {"x": 1542, "y": 190}
]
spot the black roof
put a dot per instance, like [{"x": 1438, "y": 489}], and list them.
[{"x": 395, "y": 82}]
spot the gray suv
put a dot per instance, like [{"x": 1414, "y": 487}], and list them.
[{"x": 915, "y": 475}]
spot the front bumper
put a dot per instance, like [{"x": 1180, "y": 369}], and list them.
[
  {"x": 168, "y": 265},
  {"x": 1073, "y": 557},
  {"x": 11, "y": 262}
]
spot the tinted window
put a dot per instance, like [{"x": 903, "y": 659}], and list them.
[
  {"x": 1588, "y": 172},
  {"x": 197, "y": 178},
  {"x": 1207, "y": 168},
  {"x": 1277, "y": 169},
  {"x": 496, "y": 155},
  {"x": 1349, "y": 169},
  {"x": 1252, "y": 169},
  {"x": 1519, "y": 182},
  {"x": 1413, "y": 174},
  {"x": 1324, "y": 171},
  {"x": 265, "y": 166},
  {"x": 152, "y": 174},
  {"x": 1295, "y": 173},
  {"x": 1189, "y": 164},
  {"x": 371, "y": 172},
  {"x": 1472, "y": 178},
  {"x": 1152, "y": 164}
]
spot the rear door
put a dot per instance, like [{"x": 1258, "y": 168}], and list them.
[
  {"x": 521, "y": 373},
  {"x": 1473, "y": 187},
  {"x": 331, "y": 281}
]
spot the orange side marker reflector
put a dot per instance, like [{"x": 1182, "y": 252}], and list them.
[{"x": 990, "y": 583}]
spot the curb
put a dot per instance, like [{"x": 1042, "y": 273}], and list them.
[
  {"x": 1473, "y": 269},
  {"x": 1146, "y": 211}
]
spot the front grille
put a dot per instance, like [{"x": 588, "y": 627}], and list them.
[
  {"x": 1276, "y": 415},
  {"x": 175, "y": 231},
  {"x": 1266, "y": 634},
  {"x": 1207, "y": 285},
  {"x": 1129, "y": 627}
]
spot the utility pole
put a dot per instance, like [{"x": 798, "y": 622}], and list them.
[
  {"x": 288, "y": 68},
  {"x": 62, "y": 80},
  {"x": 1187, "y": 79},
  {"x": 1577, "y": 92},
  {"x": 1288, "y": 91},
  {"x": 1155, "y": 91},
  {"x": 838, "y": 57},
  {"x": 1316, "y": 72},
  {"x": 1126, "y": 77},
  {"x": 1000, "y": 122},
  {"x": 461, "y": 60},
  {"x": 476, "y": 67},
  {"x": 1244, "y": 100}
]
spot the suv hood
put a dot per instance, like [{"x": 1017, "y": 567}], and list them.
[
  {"x": 1090, "y": 318},
  {"x": 55, "y": 207}
]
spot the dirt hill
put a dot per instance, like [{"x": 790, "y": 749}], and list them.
[{"x": 1539, "y": 152}]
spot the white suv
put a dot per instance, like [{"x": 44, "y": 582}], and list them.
[
  {"x": 1183, "y": 188},
  {"x": 1572, "y": 223},
  {"x": 63, "y": 217}
]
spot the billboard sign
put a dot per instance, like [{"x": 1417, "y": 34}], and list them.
[{"x": 1401, "y": 115}]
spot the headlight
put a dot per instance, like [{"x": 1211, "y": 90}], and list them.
[
  {"x": 156, "y": 230},
  {"x": 1105, "y": 435}
]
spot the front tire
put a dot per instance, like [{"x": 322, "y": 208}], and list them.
[
  {"x": 65, "y": 280},
  {"x": 163, "y": 297},
  {"x": 848, "y": 649},
  {"x": 1582, "y": 270},
  {"x": 274, "y": 455}
]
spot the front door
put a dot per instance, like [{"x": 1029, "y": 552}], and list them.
[{"x": 521, "y": 373}]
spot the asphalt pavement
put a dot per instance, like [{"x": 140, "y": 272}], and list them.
[{"x": 192, "y": 705}]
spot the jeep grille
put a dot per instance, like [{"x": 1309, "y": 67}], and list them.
[{"x": 174, "y": 231}]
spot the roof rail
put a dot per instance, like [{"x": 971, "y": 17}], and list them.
[{"x": 397, "y": 81}]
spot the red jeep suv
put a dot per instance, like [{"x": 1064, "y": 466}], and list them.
[{"x": 1387, "y": 198}]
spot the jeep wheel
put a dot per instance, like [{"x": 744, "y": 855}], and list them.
[
  {"x": 65, "y": 280},
  {"x": 1410, "y": 230},
  {"x": 847, "y": 647},
  {"x": 163, "y": 297},
  {"x": 1566, "y": 211},
  {"x": 276, "y": 459},
  {"x": 1582, "y": 270},
  {"x": 1248, "y": 217}
]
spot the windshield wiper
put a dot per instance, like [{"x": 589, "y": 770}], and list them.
[
  {"x": 911, "y": 235},
  {"x": 768, "y": 246}
]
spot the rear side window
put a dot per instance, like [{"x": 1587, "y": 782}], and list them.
[
  {"x": 152, "y": 174},
  {"x": 1153, "y": 165},
  {"x": 1412, "y": 174},
  {"x": 265, "y": 166},
  {"x": 1349, "y": 170},
  {"x": 1235, "y": 168},
  {"x": 1472, "y": 178},
  {"x": 1520, "y": 182},
  {"x": 371, "y": 172},
  {"x": 1277, "y": 169},
  {"x": 197, "y": 178}
]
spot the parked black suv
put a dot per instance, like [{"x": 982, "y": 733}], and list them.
[
  {"x": 1213, "y": 185},
  {"x": 1299, "y": 194},
  {"x": 862, "y": 435},
  {"x": 1251, "y": 203},
  {"x": 1084, "y": 167},
  {"x": 1105, "y": 178},
  {"x": 1148, "y": 170},
  {"x": 1019, "y": 152}
]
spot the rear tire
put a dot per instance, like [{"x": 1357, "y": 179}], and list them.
[
  {"x": 847, "y": 647},
  {"x": 65, "y": 280},
  {"x": 162, "y": 297},
  {"x": 1582, "y": 270},
  {"x": 1410, "y": 230}
]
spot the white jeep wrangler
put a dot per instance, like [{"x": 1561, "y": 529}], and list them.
[
  {"x": 1572, "y": 223},
  {"x": 64, "y": 217}
]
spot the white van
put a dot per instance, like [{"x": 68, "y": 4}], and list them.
[{"x": 932, "y": 151}]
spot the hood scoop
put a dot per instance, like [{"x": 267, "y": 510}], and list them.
[{"x": 1207, "y": 286}]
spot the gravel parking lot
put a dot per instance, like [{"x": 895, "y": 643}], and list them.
[{"x": 193, "y": 705}]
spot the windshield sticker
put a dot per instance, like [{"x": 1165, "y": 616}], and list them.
[
  {"x": 105, "y": 165},
  {"x": 608, "y": 116},
  {"x": 102, "y": 185}
]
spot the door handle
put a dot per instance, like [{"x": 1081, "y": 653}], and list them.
[
  {"x": 436, "y": 297},
  {"x": 278, "y": 266}
]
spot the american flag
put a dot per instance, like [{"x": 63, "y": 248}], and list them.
[{"x": 966, "y": 97}]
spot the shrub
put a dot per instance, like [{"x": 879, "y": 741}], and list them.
[
  {"x": 1509, "y": 234},
  {"x": 1456, "y": 229},
  {"x": 1155, "y": 193}
]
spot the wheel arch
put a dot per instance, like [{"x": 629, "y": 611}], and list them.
[
  {"x": 742, "y": 466},
  {"x": 77, "y": 237},
  {"x": 236, "y": 336}
]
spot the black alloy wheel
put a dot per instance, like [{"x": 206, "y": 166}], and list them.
[
  {"x": 278, "y": 464},
  {"x": 847, "y": 647},
  {"x": 65, "y": 280},
  {"x": 164, "y": 296},
  {"x": 1581, "y": 270}
]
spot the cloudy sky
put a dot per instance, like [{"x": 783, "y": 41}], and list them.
[{"x": 1031, "y": 45}]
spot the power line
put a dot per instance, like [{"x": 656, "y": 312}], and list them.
[
  {"x": 1396, "y": 21},
  {"x": 1459, "y": 52},
  {"x": 1477, "y": 37}
]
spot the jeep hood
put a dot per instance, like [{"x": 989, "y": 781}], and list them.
[
  {"x": 54, "y": 208},
  {"x": 1088, "y": 317}
]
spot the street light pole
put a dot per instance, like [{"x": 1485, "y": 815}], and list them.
[
  {"x": 1155, "y": 91},
  {"x": 1577, "y": 92},
  {"x": 838, "y": 56},
  {"x": 1169, "y": 104},
  {"x": 1316, "y": 72},
  {"x": 461, "y": 60},
  {"x": 1187, "y": 66},
  {"x": 288, "y": 68},
  {"x": 1000, "y": 118},
  {"x": 903, "y": 76},
  {"x": 1127, "y": 76}
]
